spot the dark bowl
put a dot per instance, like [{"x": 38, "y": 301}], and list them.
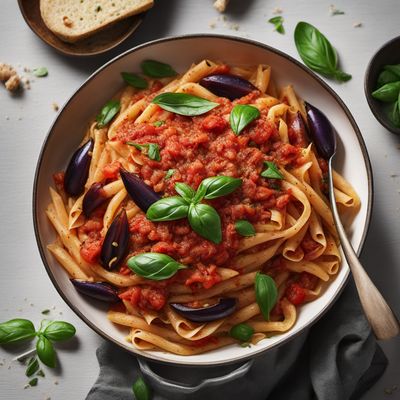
[{"x": 389, "y": 53}]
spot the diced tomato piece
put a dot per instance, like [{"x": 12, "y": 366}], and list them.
[
  {"x": 152, "y": 298},
  {"x": 132, "y": 295},
  {"x": 91, "y": 247},
  {"x": 111, "y": 171},
  {"x": 214, "y": 123},
  {"x": 295, "y": 294},
  {"x": 207, "y": 276},
  {"x": 124, "y": 270}
]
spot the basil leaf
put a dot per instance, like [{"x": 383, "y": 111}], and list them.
[
  {"x": 185, "y": 191},
  {"x": 241, "y": 116},
  {"x": 386, "y": 77},
  {"x": 216, "y": 186},
  {"x": 134, "y": 80},
  {"x": 169, "y": 173},
  {"x": 272, "y": 171},
  {"x": 387, "y": 93},
  {"x": 242, "y": 332},
  {"x": 158, "y": 123},
  {"x": 205, "y": 221},
  {"x": 59, "y": 330},
  {"x": 141, "y": 390},
  {"x": 33, "y": 367},
  {"x": 33, "y": 382},
  {"x": 40, "y": 72},
  {"x": 394, "y": 69},
  {"x": 154, "y": 266},
  {"x": 184, "y": 104},
  {"x": 244, "y": 228},
  {"x": 278, "y": 23},
  {"x": 266, "y": 294},
  {"x": 168, "y": 209},
  {"x": 157, "y": 69},
  {"x": 137, "y": 146},
  {"x": 45, "y": 351},
  {"x": 154, "y": 152},
  {"x": 107, "y": 113},
  {"x": 16, "y": 330},
  {"x": 317, "y": 52}
]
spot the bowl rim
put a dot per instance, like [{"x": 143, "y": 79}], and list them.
[
  {"x": 138, "y": 19},
  {"x": 371, "y": 102},
  {"x": 41, "y": 248}
]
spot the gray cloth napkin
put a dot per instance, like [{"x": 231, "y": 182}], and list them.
[{"x": 336, "y": 359}]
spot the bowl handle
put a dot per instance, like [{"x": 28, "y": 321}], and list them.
[{"x": 183, "y": 388}]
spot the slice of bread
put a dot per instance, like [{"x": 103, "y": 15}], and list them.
[{"x": 73, "y": 20}]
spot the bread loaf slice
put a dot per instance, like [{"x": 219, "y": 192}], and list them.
[{"x": 73, "y": 20}]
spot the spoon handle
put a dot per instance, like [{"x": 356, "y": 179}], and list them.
[{"x": 380, "y": 316}]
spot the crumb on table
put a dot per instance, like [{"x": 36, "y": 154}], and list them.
[
  {"x": 220, "y": 5},
  {"x": 9, "y": 76}
]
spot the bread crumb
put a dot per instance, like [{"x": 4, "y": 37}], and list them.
[
  {"x": 55, "y": 106},
  {"x": 67, "y": 22},
  {"x": 10, "y": 77},
  {"x": 277, "y": 10},
  {"x": 357, "y": 24},
  {"x": 220, "y": 5}
]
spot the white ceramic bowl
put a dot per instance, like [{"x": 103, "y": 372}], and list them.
[{"x": 68, "y": 129}]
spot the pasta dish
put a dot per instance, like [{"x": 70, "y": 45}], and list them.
[{"x": 196, "y": 205}]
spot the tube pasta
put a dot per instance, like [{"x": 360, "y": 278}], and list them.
[{"x": 295, "y": 237}]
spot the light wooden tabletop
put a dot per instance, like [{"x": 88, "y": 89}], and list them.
[{"x": 26, "y": 290}]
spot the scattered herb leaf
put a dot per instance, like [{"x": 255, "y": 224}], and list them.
[
  {"x": 40, "y": 72},
  {"x": 33, "y": 382},
  {"x": 272, "y": 171},
  {"x": 169, "y": 173},
  {"x": 156, "y": 69},
  {"x": 158, "y": 123},
  {"x": 107, "y": 113},
  {"x": 150, "y": 149},
  {"x": 134, "y": 80},
  {"x": 266, "y": 293},
  {"x": 278, "y": 23},
  {"x": 242, "y": 332},
  {"x": 32, "y": 367},
  {"x": 46, "y": 311},
  {"x": 241, "y": 116},
  {"x": 244, "y": 228}
]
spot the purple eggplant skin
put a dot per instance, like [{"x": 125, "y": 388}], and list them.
[
  {"x": 222, "y": 309},
  {"x": 296, "y": 124},
  {"x": 143, "y": 195},
  {"x": 77, "y": 171},
  {"x": 93, "y": 198},
  {"x": 226, "y": 85},
  {"x": 321, "y": 131},
  {"x": 116, "y": 242},
  {"x": 98, "y": 290}
]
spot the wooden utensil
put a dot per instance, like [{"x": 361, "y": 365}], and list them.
[
  {"x": 96, "y": 44},
  {"x": 380, "y": 316}
]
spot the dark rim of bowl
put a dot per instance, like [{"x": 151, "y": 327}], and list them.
[
  {"x": 148, "y": 356},
  {"x": 371, "y": 102},
  {"x": 139, "y": 21}
]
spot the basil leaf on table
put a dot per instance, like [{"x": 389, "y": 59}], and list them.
[
  {"x": 168, "y": 209},
  {"x": 278, "y": 23},
  {"x": 107, "y": 113},
  {"x": 32, "y": 367},
  {"x": 59, "y": 330},
  {"x": 272, "y": 171},
  {"x": 216, "y": 186},
  {"x": 386, "y": 77},
  {"x": 141, "y": 390},
  {"x": 157, "y": 69},
  {"x": 317, "y": 52},
  {"x": 16, "y": 330},
  {"x": 40, "y": 72},
  {"x": 388, "y": 92},
  {"x": 205, "y": 221},
  {"x": 154, "y": 266},
  {"x": 134, "y": 80},
  {"x": 244, "y": 228},
  {"x": 241, "y": 116},
  {"x": 266, "y": 293},
  {"x": 242, "y": 332},
  {"x": 33, "y": 382},
  {"x": 45, "y": 351},
  {"x": 185, "y": 191},
  {"x": 184, "y": 104}
]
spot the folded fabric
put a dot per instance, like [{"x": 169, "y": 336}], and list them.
[{"x": 336, "y": 359}]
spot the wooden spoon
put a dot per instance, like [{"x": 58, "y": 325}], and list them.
[
  {"x": 96, "y": 44},
  {"x": 381, "y": 318}
]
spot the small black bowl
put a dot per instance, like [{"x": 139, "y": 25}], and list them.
[{"x": 389, "y": 53}]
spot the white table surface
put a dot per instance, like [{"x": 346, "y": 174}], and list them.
[{"x": 26, "y": 290}]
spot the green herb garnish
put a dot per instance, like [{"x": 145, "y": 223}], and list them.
[
  {"x": 33, "y": 382},
  {"x": 156, "y": 69},
  {"x": 241, "y": 116},
  {"x": 141, "y": 390},
  {"x": 40, "y": 72},
  {"x": 317, "y": 52},
  {"x": 151, "y": 149},
  {"x": 278, "y": 23},
  {"x": 272, "y": 171},
  {"x": 32, "y": 367},
  {"x": 241, "y": 332},
  {"x": 158, "y": 123},
  {"x": 244, "y": 228},
  {"x": 46, "y": 311},
  {"x": 134, "y": 80},
  {"x": 184, "y": 104},
  {"x": 266, "y": 293},
  {"x": 169, "y": 173},
  {"x": 108, "y": 112}
]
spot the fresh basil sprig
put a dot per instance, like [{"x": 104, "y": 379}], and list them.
[
  {"x": 184, "y": 104},
  {"x": 108, "y": 112},
  {"x": 16, "y": 330},
  {"x": 141, "y": 390},
  {"x": 388, "y": 93},
  {"x": 241, "y": 116},
  {"x": 317, "y": 52},
  {"x": 272, "y": 171},
  {"x": 134, "y": 80},
  {"x": 278, "y": 23},
  {"x": 154, "y": 266},
  {"x": 157, "y": 69},
  {"x": 151, "y": 149},
  {"x": 203, "y": 219},
  {"x": 59, "y": 331},
  {"x": 244, "y": 228},
  {"x": 266, "y": 293},
  {"x": 242, "y": 332}
]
